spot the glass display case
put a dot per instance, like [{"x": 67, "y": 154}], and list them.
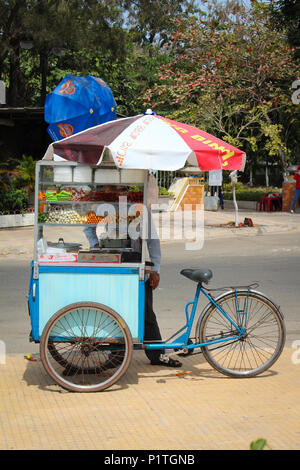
[
  {"x": 88, "y": 215},
  {"x": 87, "y": 242}
]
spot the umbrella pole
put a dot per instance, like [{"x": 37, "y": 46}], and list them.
[
  {"x": 235, "y": 207},
  {"x": 233, "y": 177}
]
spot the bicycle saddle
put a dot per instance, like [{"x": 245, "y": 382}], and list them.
[{"x": 197, "y": 275}]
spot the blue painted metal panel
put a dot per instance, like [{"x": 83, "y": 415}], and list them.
[
  {"x": 33, "y": 306},
  {"x": 59, "y": 287},
  {"x": 87, "y": 269}
]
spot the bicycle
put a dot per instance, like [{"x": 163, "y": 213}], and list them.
[{"x": 87, "y": 347}]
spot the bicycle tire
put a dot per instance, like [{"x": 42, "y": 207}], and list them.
[
  {"x": 255, "y": 351},
  {"x": 86, "y": 347}
]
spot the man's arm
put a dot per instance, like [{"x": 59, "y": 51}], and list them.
[
  {"x": 153, "y": 244},
  {"x": 91, "y": 235}
]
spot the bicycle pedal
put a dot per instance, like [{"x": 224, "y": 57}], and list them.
[
  {"x": 178, "y": 352},
  {"x": 184, "y": 351}
]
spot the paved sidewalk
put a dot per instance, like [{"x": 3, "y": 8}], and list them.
[
  {"x": 264, "y": 222},
  {"x": 192, "y": 408}
]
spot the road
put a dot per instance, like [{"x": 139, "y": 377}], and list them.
[{"x": 273, "y": 260}]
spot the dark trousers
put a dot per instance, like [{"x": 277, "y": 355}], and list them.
[
  {"x": 151, "y": 326},
  {"x": 218, "y": 190}
]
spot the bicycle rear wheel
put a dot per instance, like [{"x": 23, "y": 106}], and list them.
[
  {"x": 86, "y": 347},
  {"x": 260, "y": 345}
]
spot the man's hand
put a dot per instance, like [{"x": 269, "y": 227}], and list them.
[{"x": 154, "y": 279}]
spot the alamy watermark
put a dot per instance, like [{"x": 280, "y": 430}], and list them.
[
  {"x": 2, "y": 353},
  {"x": 296, "y": 93},
  {"x": 139, "y": 221},
  {"x": 296, "y": 354}
]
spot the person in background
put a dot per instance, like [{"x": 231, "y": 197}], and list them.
[
  {"x": 215, "y": 181},
  {"x": 218, "y": 190},
  {"x": 297, "y": 190}
]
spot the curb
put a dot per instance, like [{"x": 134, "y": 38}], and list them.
[
  {"x": 253, "y": 231},
  {"x": 16, "y": 220},
  {"x": 220, "y": 232}
]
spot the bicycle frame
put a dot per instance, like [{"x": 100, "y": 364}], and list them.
[{"x": 182, "y": 341}]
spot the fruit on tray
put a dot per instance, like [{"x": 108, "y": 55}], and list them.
[
  {"x": 42, "y": 197},
  {"x": 65, "y": 217},
  {"x": 92, "y": 218}
]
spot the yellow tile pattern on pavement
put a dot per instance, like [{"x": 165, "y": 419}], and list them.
[{"x": 152, "y": 408}]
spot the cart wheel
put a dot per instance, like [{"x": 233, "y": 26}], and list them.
[{"x": 86, "y": 347}]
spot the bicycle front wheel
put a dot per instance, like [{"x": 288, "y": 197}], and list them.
[
  {"x": 257, "y": 348},
  {"x": 86, "y": 347}
]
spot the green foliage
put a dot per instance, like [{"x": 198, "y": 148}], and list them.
[
  {"x": 164, "y": 192},
  {"x": 152, "y": 21},
  {"x": 286, "y": 14},
  {"x": 238, "y": 186},
  {"x": 253, "y": 195},
  {"x": 18, "y": 174},
  {"x": 227, "y": 70},
  {"x": 57, "y": 28},
  {"x": 84, "y": 37},
  {"x": 230, "y": 73},
  {"x": 244, "y": 193},
  {"x": 25, "y": 173},
  {"x": 259, "y": 444},
  {"x": 13, "y": 200}
]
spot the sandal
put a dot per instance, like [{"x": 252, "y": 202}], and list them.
[{"x": 166, "y": 362}]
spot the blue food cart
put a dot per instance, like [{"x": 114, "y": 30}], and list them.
[{"x": 86, "y": 302}]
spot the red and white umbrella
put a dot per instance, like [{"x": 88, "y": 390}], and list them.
[{"x": 148, "y": 141}]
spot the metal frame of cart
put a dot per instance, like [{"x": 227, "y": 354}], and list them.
[{"x": 53, "y": 286}]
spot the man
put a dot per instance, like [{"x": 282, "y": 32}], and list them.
[
  {"x": 152, "y": 332},
  {"x": 297, "y": 190}
]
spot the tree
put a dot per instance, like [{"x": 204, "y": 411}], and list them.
[
  {"x": 286, "y": 14},
  {"x": 152, "y": 21},
  {"x": 53, "y": 26},
  {"x": 11, "y": 33},
  {"x": 231, "y": 73}
]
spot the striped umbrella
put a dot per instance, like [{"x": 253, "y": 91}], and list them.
[{"x": 148, "y": 141}]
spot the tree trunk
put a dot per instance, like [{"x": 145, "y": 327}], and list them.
[
  {"x": 284, "y": 163},
  {"x": 16, "y": 89},
  {"x": 43, "y": 69},
  {"x": 267, "y": 175}
]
